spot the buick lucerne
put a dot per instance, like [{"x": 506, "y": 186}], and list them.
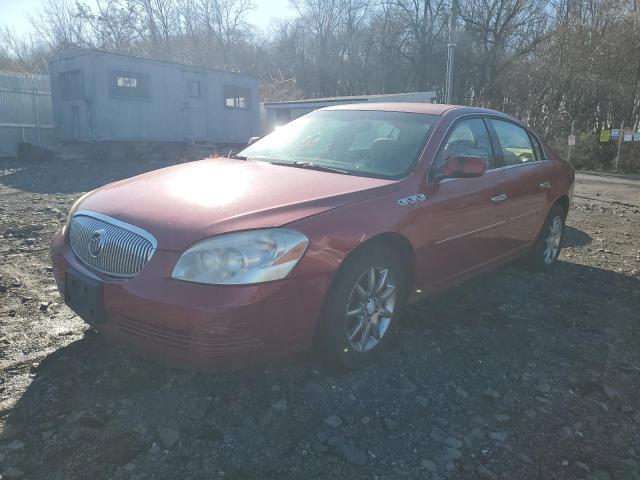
[{"x": 316, "y": 234}]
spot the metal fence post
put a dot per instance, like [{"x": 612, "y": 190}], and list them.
[{"x": 37, "y": 115}]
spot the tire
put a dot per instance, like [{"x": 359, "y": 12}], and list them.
[
  {"x": 350, "y": 294},
  {"x": 549, "y": 242}
]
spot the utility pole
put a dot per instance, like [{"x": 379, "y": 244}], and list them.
[
  {"x": 570, "y": 145},
  {"x": 450, "y": 50},
  {"x": 615, "y": 166}
]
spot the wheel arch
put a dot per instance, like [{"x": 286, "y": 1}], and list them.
[
  {"x": 563, "y": 201},
  {"x": 394, "y": 241}
]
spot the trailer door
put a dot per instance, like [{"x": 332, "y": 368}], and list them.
[{"x": 195, "y": 106}]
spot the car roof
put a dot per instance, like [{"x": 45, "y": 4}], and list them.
[{"x": 426, "y": 108}]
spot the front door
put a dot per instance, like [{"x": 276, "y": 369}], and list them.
[
  {"x": 530, "y": 177},
  {"x": 466, "y": 221},
  {"x": 194, "y": 108}
]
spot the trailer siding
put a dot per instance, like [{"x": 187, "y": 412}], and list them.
[{"x": 134, "y": 99}]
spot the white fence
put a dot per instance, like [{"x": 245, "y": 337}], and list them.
[{"x": 26, "y": 112}]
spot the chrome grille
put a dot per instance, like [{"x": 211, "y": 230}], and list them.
[{"x": 109, "y": 245}]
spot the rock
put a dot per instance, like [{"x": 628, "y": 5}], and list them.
[
  {"x": 266, "y": 418},
  {"x": 337, "y": 440},
  {"x": 498, "y": 436},
  {"x": 168, "y": 437},
  {"x": 333, "y": 421},
  {"x": 452, "y": 454},
  {"x": 408, "y": 387},
  {"x": 462, "y": 392},
  {"x": 610, "y": 393},
  {"x": 599, "y": 475},
  {"x": 12, "y": 472},
  {"x": 15, "y": 445},
  {"x": 280, "y": 405},
  {"x": 566, "y": 432},
  {"x": 211, "y": 434},
  {"x": 485, "y": 473},
  {"x": 75, "y": 434},
  {"x": 491, "y": 393},
  {"x": 91, "y": 421},
  {"x": 365, "y": 420},
  {"x": 11, "y": 430},
  {"x": 453, "y": 442},
  {"x": 524, "y": 457},
  {"x": 429, "y": 466},
  {"x": 422, "y": 401},
  {"x": 353, "y": 454},
  {"x": 582, "y": 466},
  {"x": 544, "y": 388},
  {"x": 628, "y": 409},
  {"x": 390, "y": 424},
  {"x": 44, "y": 306},
  {"x": 502, "y": 417}
]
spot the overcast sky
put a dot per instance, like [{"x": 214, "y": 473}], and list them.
[{"x": 15, "y": 12}]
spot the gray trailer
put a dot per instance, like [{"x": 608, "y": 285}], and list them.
[{"x": 120, "y": 104}]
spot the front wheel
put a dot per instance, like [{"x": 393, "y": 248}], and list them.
[
  {"x": 549, "y": 243},
  {"x": 363, "y": 307}
]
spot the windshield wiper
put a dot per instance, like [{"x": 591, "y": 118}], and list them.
[
  {"x": 236, "y": 156},
  {"x": 313, "y": 166}
]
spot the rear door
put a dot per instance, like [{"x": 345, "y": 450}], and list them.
[
  {"x": 467, "y": 216},
  {"x": 194, "y": 108},
  {"x": 530, "y": 176}
]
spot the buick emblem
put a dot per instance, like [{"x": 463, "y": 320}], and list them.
[{"x": 96, "y": 242}]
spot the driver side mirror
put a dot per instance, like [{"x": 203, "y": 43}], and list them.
[
  {"x": 252, "y": 140},
  {"x": 462, "y": 166}
]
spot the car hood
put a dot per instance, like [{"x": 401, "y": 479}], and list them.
[{"x": 185, "y": 203}]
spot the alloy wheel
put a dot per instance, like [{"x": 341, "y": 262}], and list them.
[{"x": 370, "y": 308}]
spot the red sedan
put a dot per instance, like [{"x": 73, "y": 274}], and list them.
[{"x": 319, "y": 232}]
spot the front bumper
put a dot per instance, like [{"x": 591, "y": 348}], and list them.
[{"x": 200, "y": 325}]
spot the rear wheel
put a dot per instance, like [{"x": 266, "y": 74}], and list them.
[
  {"x": 363, "y": 307},
  {"x": 549, "y": 243}
]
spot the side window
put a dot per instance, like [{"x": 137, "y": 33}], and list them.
[
  {"x": 537, "y": 148},
  {"x": 237, "y": 97},
  {"x": 515, "y": 143},
  {"x": 129, "y": 85},
  {"x": 468, "y": 137}
]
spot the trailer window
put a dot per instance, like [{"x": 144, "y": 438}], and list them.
[
  {"x": 130, "y": 85},
  {"x": 72, "y": 84},
  {"x": 237, "y": 97}
]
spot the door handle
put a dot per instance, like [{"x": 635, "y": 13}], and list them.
[
  {"x": 545, "y": 185},
  {"x": 499, "y": 198}
]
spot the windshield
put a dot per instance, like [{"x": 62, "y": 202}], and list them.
[{"x": 367, "y": 143}]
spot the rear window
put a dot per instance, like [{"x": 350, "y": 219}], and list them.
[{"x": 514, "y": 141}]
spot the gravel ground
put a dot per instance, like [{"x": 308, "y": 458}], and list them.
[{"x": 511, "y": 376}]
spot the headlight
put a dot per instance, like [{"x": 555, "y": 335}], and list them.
[{"x": 244, "y": 257}]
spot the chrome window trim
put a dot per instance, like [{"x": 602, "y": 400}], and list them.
[{"x": 500, "y": 169}]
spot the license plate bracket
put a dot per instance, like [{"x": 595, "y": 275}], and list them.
[{"x": 84, "y": 296}]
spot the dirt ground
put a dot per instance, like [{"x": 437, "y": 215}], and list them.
[{"x": 512, "y": 376}]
